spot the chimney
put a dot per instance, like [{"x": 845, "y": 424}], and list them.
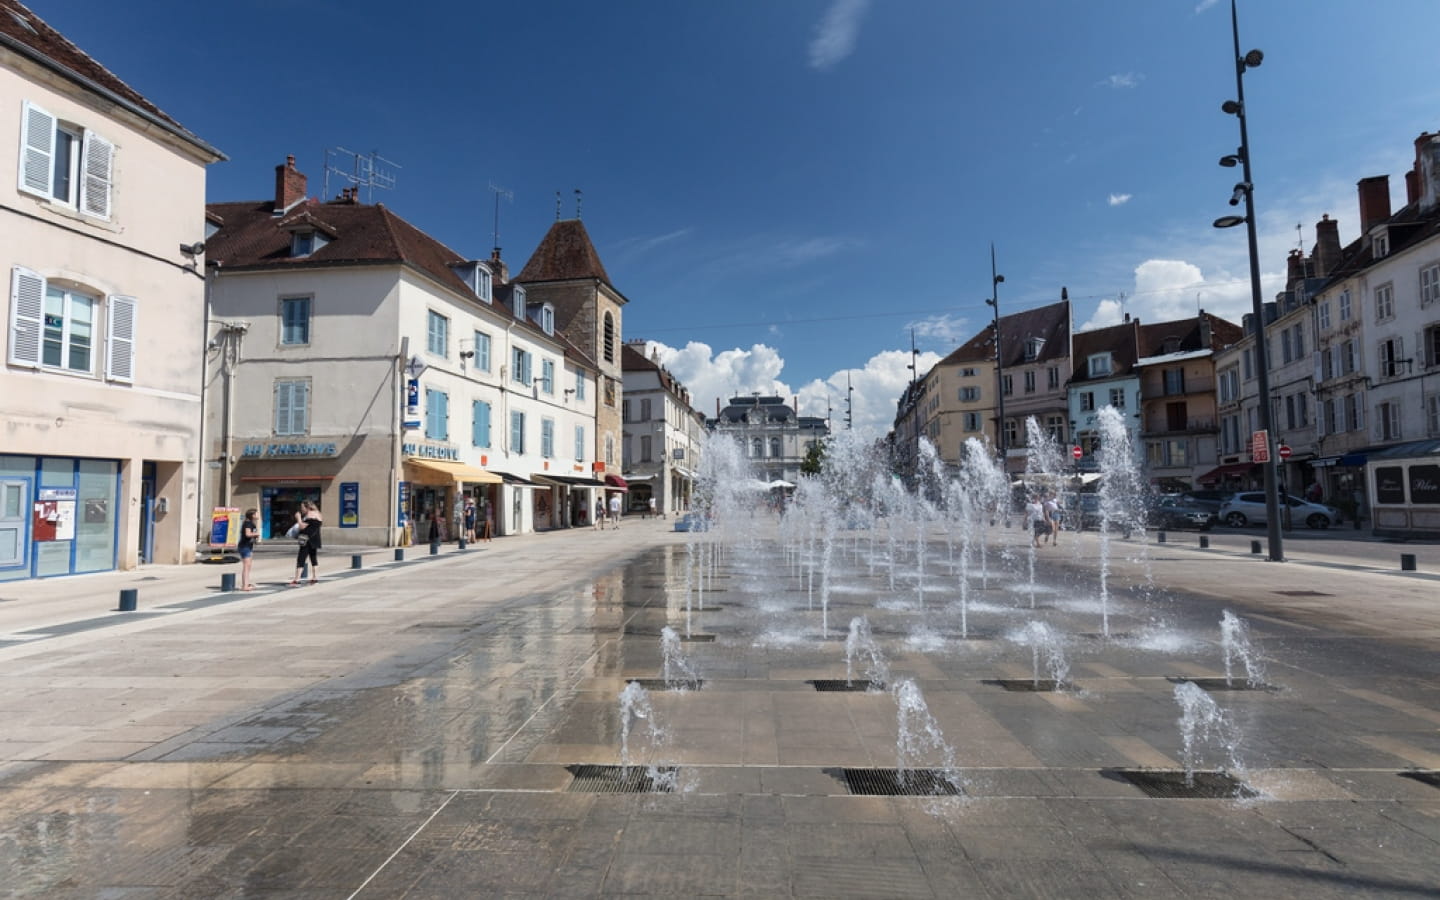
[
  {"x": 1204, "y": 330},
  {"x": 498, "y": 270},
  {"x": 1295, "y": 268},
  {"x": 1412, "y": 186},
  {"x": 1374, "y": 201},
  {"x": 1427, "y": 168},
  {"x": 1327, "y": 246},
  {"x": 289, "y": 186},
  {"x": 1064, "y": 294}
]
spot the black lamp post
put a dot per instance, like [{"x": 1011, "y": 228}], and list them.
[
  {"x": 1245, "y": 190},
  {"x": 994, "y": 301}
]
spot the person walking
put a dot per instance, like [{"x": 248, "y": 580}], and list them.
[
  {"x": 470, "y": 521},
  {"x": 615, "y": 511},
  {"x": 310, "y": 522},
  {"x": 1035, "y": 514},
  {"x": 1052, "y": 515},
  {"x": 249, "y": 537},
  {"x": 599, "y": 514},
  {"x": 653, "y": 508}
]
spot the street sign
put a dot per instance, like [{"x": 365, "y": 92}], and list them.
[
  {"x": 1285, "y": 451},
  {"x": 415, "y": 367},
  {"x": 1260, "y": 447},
  {"x": 1076, "y": 451}
]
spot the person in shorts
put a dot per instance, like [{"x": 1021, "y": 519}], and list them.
[
  {"x": 249, "y": 537},
  {"x": 1039, "y": 525}
]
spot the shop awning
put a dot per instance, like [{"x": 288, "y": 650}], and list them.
[
  {"x": 1324, "y": 462},
  {"x": 1352, "y": 459},
  {"x": 516, "y": 480},
  {"x": 616, "y": 483},
  {"x": 567, "y": 480},
  {"x": 444, "y": 471},
  {"x": 1221, "y": 472}
]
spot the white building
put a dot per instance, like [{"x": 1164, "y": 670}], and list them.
[
  {"x": 101, "y": 210},
  {"x": 662, "y": 434},
  {"x": 774, "y": 438}
]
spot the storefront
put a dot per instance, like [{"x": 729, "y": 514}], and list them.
[
  {"x": 438, "y": 490},
  {"x": 571, "y": 496},
  {"x": 60, "y": 516}
]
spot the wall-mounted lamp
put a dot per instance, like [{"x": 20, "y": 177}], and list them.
[
  {"x": 467, "y": 354},
  {"x": 193, "y": 250}
]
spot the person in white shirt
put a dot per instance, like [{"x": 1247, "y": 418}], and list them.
[{"x": 1052, "y": 513}]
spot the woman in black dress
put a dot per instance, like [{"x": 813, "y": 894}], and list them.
[{"x": 310, "y": 522}]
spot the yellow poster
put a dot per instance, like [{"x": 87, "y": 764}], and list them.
[{"x": 224, "y": 526}]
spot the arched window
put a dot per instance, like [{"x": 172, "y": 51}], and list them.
[
  {"x": 757, "y": 448},
  {"x": 775, "y": 447},
  {"x": 609, "y": 338}
]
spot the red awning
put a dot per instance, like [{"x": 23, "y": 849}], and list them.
[
  {"x": 1220, "y": 473},
  {"x": 616, "y": 483}
]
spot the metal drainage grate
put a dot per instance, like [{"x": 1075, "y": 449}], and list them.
[
  {"x": 1219, "y": 684},
  {"x": 840, "y": 684},
  {"x": 1430, "y": 778},
  {"x": 891, "y": 783},
  {"x": 1302, "y": 593},
  {"x": 620, "y": 780},
  {"x": 1029, "y": 685},
  {"x": 1170, "y": 784},
  {"x": 1100, "y": 636},
  {"x": 660, "y": 684}
]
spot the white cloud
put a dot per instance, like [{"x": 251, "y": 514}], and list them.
[
  {"x": 947, "y": 329},
  {"x": 1123, "y": 80},
  {"x": 836, "y": 33},
  {"x": 1119, "y": 199},
  {"x": 637, "y": 245},
  {"x": 713, "y": 376},
  {"x": 1204, "y": 5},
  {"x": 1169, "y": 289}
]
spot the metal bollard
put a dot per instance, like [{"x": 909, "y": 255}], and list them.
[
  {"x": 1254, "y": 546},
  {"x": 1407, "y": 562},
  {"x": 399, "y": 554},
  {"x": 356, "y": 560},
  {"x": 227, "y": 581},
  {"x": 1159, "y": 537},
  {"x": 128, "y": 598},
  {"x": 434, "y": 548},
  {"x": 462, "y": 543},
  {"x": 1204, "y": 542}
]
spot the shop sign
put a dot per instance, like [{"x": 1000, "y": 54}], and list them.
[
  {"x": 1424, "y": 485},
  {"x": 412, "y": 399},
  {"x": 432, "y": 451},
  {"x": 402, "y": 495},
  {"x": 289, "y": 451},
  {"x": 349, "y": 504}
]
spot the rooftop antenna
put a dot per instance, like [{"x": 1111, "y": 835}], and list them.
[
  {"x": 849, "y": 401},
  {"x": 367, "y": 170},
  {"x": 508, "y": 195},
  {"x": 557, "y": 206},
  {"x": 578, "y": 198},
  {"x": 1300, "y": 237},
  {"x": 914, "y": 359}
]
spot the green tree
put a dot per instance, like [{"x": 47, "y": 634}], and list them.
[{"x": 814, "y": 459}]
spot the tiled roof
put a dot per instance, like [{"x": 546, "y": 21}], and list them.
[
  {"x": 29, "y": 35},
  {"x": 1118, "y": 340},
  {"x": 1187, "y": 332},
  {"x": 564, "y": 254},
  {"x": 1050, "y": 322}
]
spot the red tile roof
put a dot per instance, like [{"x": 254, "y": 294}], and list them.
[{"x": 564, "y": 254}]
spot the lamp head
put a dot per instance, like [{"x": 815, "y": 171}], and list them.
[
  {"x": 1253, "y": 59},
  {"x": 1230, "y": 161},
  {"x": 1229, "y": 221},
  {"x": 999, "y": 278},
  {"x": 1231, "y": 107},
  {"x": 989, "y": 301},
  {"x": 466, "y": 354}
]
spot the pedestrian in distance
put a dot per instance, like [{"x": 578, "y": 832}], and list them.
[
  {"x": 615, "y": 511},
  {"x": 489, "y": 523},
  {"x": 653, "y": 506},
  {"x": 309, "y": 538},
  {"x": 599, "y": 514},
  {"x": 1035, "y": 515},
  {"x": 1052, "y": 515},
  {"x": 249, "y": 537},
  {"x": 470, "y": 521}
]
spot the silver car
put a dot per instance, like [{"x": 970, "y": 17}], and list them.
[{"x": 1248, "y": 508}]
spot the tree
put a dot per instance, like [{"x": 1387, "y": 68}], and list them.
[{"x": 814, "y": 459}]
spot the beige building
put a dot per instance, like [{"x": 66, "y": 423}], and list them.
[
  {"x": 101, "y": 211},
  {"x": 663, "y": 433}
]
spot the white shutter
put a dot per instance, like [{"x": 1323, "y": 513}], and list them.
[
  {"x": 300, "y": 408},
  {"x": 120, "y": 339},
  {"x": 97, "y": 166},
  {"x": 282, "y": 407},
  {"x": 37, "y": 150},
  {"x": 27, "y": 305}
]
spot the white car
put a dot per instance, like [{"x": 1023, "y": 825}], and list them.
[{"x": 1248, "y": 508}]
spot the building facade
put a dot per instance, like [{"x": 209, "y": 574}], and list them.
[
  {"x": 101, "y": 383},
  {"x": 774, "y": 438},
  {"x": 663, "y": 434},
  {"x": 1104, "y": 375},
  {"x": 1178, "y": 420}
]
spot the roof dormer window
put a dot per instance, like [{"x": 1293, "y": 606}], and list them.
[
  {"x": 547, "y": 319},
  {"x": 1381, "y": 244},
  {"x": 1170, "y": 345},
  {"x": 517, "y": 302},
  {"x": 1099, "y": 365},
  {"x": 302, "y": 243},
  {"x": 476, "y": 276},
  {"x": 1033, "y": 347}
]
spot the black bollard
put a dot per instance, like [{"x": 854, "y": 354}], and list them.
[
  {"x": 356, "y": 560},
  {"x": 1407, "y": 562},
  {"x": 1254, "y": 546},
  {"x": 128, "y": 598},
  {"x": 399, "y": 554},
  {"x": 1204, "y": 542},
  {"x": 462, "y": 543},
  {"x": 227, "y": 581},
  {"x": 434, "y": 548},
  {"x": 1160, "y": 537}
]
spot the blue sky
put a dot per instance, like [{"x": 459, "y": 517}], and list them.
[{"x": 785, "y": 190}]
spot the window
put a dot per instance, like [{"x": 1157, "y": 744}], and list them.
[
  {"x": 1355, "y": 411},
  {"x": 1087, "y": 401},
  {"x": 647, "y": 448},
  {"x": 1391, "y": 352},
  {"x": 644, "y": 409},
  {"x": 292, "y": 407},
  {"x": 609, "y": 392},
  {"x": 1248, "y": 358},
  {"x": 1117, "y": 398},
  {"x": 1029, "y": 382},
  {"x": 1055, "y": 425},
  {"x": 1344, "y": 306},
  {"x": 304, "y": 243},
  {"x": 1167, "y": 453},
  {"x": 65, "y": 163},
  {"x": 969, "y": 394},
  {"x": 68, "y": 338},
  {"x": 969, "y": 373},
  {"x": 481, "y": 283},
  {"x": 1327, "y": 364},
  {"x": 1099, "y": 365},
  {"x": 579, "y": 443},
  {"x": 579, "y": 385},
  {"x": 1429, "y": 284},
  {"x": 1176, "y": 418},
  {"x": 1052, "y": 377},
  {"x": 1033, "y": 347},
  {"x": 757, "y": 448},
  {"x": 1430, "y": 350},
  {"x": 1174, "y": 381},
  {"x": 1012, "y": 433},
  {"x": 608, "y": 338},
  {"x": 1286, "y": 352},
  {"x": 547, "y": 376},
  {"x": 547, "y": 319},
  {"x": 1324, "y": 313},
  {"x": 520, "y": 366},
  {"x": 1348, "y": 361},
  {"x": 1302, "y": 410},
  {"x": 1229, "y": 385},
  {"x": 775, "y": 448},
  {"x": 480, "y": 423},
  {"x": 547, "y": 438},
  {"x": 1007, "y": 385},
  {"x": 517, "y": 432},
  {"x": 1290, "y": 411},
  {"x": 1329, "y": 421},
  {"x": 482, "y": 351},
  {"x": 57, "y": 327},
  {"x": 1299, "y": 340},
  {"x": 1389, "y": 424},
  {"x": 972, "y": 421},
  {"x": 437, "y": 415},
  {"x": 625, "y": 410},
  {"x": 1382, "y": 245},
  {"x": 1384, "y": 302},
  {"x": 294, "y": 321},
  {"x": 437, "y": 333}
]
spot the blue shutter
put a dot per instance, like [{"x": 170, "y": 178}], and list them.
[{"x": 480, "y": 428}]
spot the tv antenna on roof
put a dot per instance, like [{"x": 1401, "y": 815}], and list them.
[
  {"x": 508, "y": 195},
  {"x": 367, "y": 170}
]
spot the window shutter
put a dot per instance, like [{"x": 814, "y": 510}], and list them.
[
  {"x": 282, "y": 407},
  {"x": 120, "y": 339},
  {"x": 444, "y": 423},
  {"x": 300, "y": 408},
  {"x": 27, "y": 304},
  {"x": 37, "y": 150},
  {"x": 97, "y": 165}
]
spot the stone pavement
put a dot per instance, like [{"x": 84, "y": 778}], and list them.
[{"x": 421, "y": 729}]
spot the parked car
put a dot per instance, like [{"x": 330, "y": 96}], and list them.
[
  {"x": 1174, "y": 511},
  {"x": 1249, "y": 509},
  {"x": 1083, "y": 514},
  {"x": 1211, "y": 500}
]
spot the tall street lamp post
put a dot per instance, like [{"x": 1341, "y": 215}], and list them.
[
  {"x": 1245, "y": 190},
  {"x": 994, "y": 301}
]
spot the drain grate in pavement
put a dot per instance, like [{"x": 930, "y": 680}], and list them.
[
  {"x": 1029, "y": 685},
  {"x": 840, "y": 684},
  {"x": 1219, "y": 684},
  {"x": 660, "y": 684},
  {"x": 1430, "y": 778},
  {"x": 684, "y": 638},
  {"x": 894, "y": 783},
  {"x": 1100, "y": 636},
  {"x": 458, "y": 626},
  {"x": 1302, "y": 593},
  {"x": 620, "y": 780},
  {"x": 1170, "y": 784}
]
